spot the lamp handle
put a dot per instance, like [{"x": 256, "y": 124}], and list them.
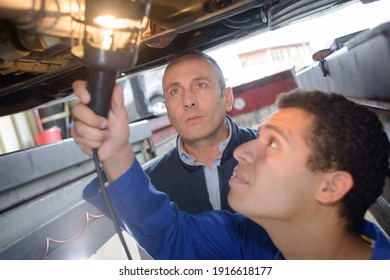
[{"x": 100, "y": 83}]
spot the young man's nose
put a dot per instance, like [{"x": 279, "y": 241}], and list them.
[{"x": 245, "y": 152}]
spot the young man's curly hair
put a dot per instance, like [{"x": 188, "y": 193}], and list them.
[{"x": 345, "y": 136}]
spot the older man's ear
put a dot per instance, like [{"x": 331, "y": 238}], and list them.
[{"x": 228, "y": 92}]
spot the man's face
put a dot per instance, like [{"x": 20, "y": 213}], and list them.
[
  {"x": 271, "y": 181},
  {"x": 195, "y": 102}
]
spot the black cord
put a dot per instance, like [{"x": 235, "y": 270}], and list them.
[{"x": 108, "y": 203}]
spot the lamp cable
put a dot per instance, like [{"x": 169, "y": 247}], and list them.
[{"x": 108, "y": 203}]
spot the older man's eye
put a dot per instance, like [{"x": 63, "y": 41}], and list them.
[
  {"x": 200, "y": 85},
  {"x": 174, "y": 91}
]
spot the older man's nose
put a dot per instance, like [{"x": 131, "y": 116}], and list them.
[{"x": 190, "y": 100}]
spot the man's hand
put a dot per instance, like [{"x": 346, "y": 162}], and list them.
[{"x": 110, "y": 136}]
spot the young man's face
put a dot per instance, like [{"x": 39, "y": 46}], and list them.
[
  {"x": 271, "y": 181},
  {"x": 196, "y": 104}
]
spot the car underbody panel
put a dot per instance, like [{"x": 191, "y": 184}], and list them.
[{"x": 36, "y": 65}]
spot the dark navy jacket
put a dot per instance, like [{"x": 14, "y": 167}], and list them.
[{"x": 186, "y": 185}]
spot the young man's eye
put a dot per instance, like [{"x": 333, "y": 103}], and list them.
[{"x": 272, "y": 143}]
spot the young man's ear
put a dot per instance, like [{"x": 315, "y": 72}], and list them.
[{"x": 336, "y": 185}]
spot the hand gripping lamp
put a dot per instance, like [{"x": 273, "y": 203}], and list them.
[{"x": 107, "y": 36}]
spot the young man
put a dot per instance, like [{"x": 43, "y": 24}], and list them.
[
  {"x": 301, "y": 189},
  {"x": 195, "y": 174}
]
